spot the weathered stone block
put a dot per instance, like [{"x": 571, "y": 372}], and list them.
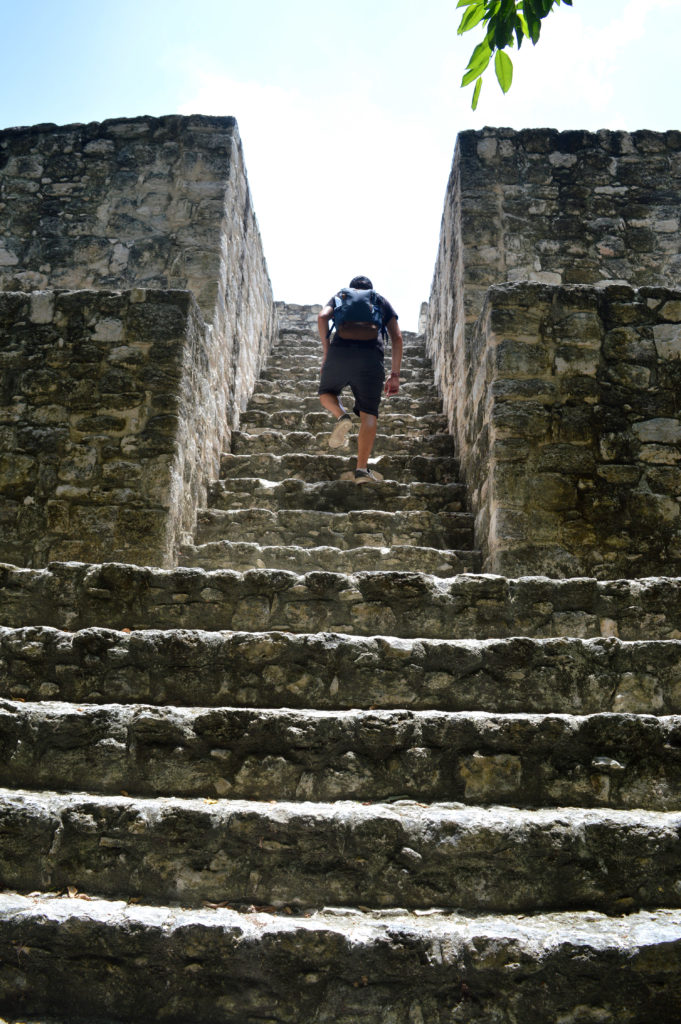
[
  {"x": 518, "y": 359},
  {"x": 552, "y": 491},
  {"x": 586, "y": 441},
  {"x": 572, "y": 207},
  {"x": 661, "y": 430},
  {"x": 143, "y": 205},
  {"x": 668, "y": 340},
  {"x": 321, "y": 968}
]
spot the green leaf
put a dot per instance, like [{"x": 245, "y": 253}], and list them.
[
  {"x": 480, "y": 56},
  {"x": 503, "y": 33},
  {"x": 474, "y": 73},
  {"x": 533, "y": 18},
  {"x": 471, "y": 18},
  {"x": 503, "y": 66},
  {"x": 534, "y": 27},
  {"x": 505, "y": 23}
]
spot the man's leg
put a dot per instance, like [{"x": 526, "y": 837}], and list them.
[
  {"x": 367, "y": 386},
  {"x": 332, "y": 381},
  {"x": 368, "y": 426},
  {"x": 332, "y": 403},
  {"x": 338, "y": 438}
]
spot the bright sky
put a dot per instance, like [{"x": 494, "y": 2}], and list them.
[{"x": 348, "y": 112}]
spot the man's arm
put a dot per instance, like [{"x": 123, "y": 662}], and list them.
[
  {"x": 392, "y": 385},
  {"x": 323, "y": 328}
]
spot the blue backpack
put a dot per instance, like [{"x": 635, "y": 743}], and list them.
[{"x": 357, "y": 306}]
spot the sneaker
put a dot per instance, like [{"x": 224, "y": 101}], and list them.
[
  {"x": 339, "y": 435},
  {"x": 367, "y": 476}
]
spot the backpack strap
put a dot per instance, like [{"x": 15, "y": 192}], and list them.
[{"x": 331, "y": 329}]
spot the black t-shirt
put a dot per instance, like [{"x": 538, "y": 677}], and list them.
[{"x": 387, "y": 313}]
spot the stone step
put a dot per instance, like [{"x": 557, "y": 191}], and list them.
[
  {"x": 301, "y": 374},
  {"x": 74, "y": 595},
  {"x": 308, "y": 352},
  {"x": 243, "y": 556},
  {"x": 282, "y": 360},
  {"x": 306, "y": 366},
  {"x": 401, "y": 404},
  {"x": 604, "y": 760},
  {"x": 344, "y": 530},
  {"x": 318, "y": 466},
  {"x": 280, "y": 441},
  {"x": 308, "y": 856},
  {"x": 91, "y": 959},
  {"x": 285, "y": 361},
  {"x": 318, "y": 422},
  {"x": 336, "y": 495},
  {"x": 302, "y": 340},
  {"x": 329, "y": 671},
  {"x": 298, "y": 338},
  {"x": 305, "y": 385}
]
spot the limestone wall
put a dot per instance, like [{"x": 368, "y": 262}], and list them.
[
  {"x": 561, "y": 208},
  {"x": 297, "y": 318},
  {"x": 568, "y": 210},
  {"x": 106, "y": 422},
  {"x": 129, "y": 205},
  {"x": 127, "y": 202},
  {"x": 573, "y": 443}
]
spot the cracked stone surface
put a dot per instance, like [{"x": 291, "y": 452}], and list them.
[
  {"x": 325, "y": 770},
  {"x": 218, "y": 965}
]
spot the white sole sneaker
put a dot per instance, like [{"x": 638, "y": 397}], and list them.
[
  {"x": 338, "y": 437},
  {"x": 372, "y": 477}
]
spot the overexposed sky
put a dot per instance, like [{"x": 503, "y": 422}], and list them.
[{"x": 348, "y": 112}]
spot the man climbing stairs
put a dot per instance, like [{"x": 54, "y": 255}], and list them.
[
  {"x": 324, "y": 770},
  {"x": 284, "y": 500}
]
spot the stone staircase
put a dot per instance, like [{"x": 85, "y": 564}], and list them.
[{"x": 325, "y": 771}]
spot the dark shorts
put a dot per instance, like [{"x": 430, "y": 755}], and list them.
[{"x": 358, "y": 367}]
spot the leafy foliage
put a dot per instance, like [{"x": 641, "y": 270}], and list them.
[{"x": 506, "y": 22}]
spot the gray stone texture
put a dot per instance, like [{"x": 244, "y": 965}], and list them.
[
  {"x": 301, "y": 855},
  {"x": 612, "y": 760},
  {"x": 223, "y": 967},
  {"x": 125, "y": 203},
  {"x": 560, "y": 382},
  {"x": 331, "y": 671},
  {"x": 409, "y": 604},
  {"x": 98, "y": 423},
  {"x": 573, "y": 434},
  {"x": 119, "y": 392},
  {"x": 325, "y": 769}
]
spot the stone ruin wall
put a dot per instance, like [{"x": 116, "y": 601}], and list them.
[
  {"x": 135, "y": 314},
  {"x": 294, "y": 317},
  {"x": 555, "y": 329}
]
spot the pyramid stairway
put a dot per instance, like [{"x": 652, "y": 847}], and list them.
[{"x": 325, "y": 771}]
